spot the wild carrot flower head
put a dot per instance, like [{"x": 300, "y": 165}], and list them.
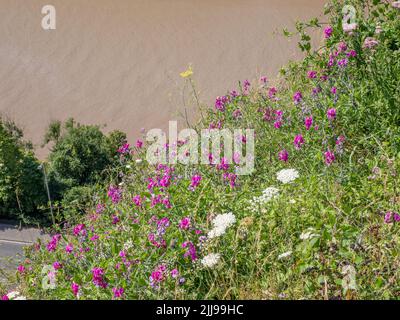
[
  {"x": 287, "y": 175},
  {"x": 221, "y": 223},
  {"x": 211, "y": 260}
]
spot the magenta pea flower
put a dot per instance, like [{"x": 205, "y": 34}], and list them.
[
  {"x": 125, "y": 148},
  {"x": 118, "y": 292},
  {"x": 297, "y": 97},
  {"x": 184, "y": 224},
  {"x": 272, "y": 92},
  {"x": 308, "y": 121},
  {"x": 342, "y": 62},
  {"x": 388, "y": 217},
  {"x": 195, "y": 182},
  {"x": 21, "y": 269},
  {"x": 277, "y": 124},
  {"x": 139, "y": 144},
  {"x": 351, "y": 54},
  {"x": 328, "y": 32},
  {"x": 396, "y": 217},
  {"x": 263, "y": 80},
  {"x": 331, "y": 114},
  {"x": 174, "y": 273},
  {"x": 75, "y": 288},
  {"x": 57, "y": 265},
  {"x": 237, "y": 114},
  {"x": 283, "y": 155},
  {"x": 98, "y": 280},
  {"x": 115, "y": 194},
  {"x": 220, "y": 103},
  {"x": 312, "y": 74},
  {"x": 69, "y": 248},
  {"x": 298, "y": 141},
  {"x": 137, "y": 200},
  {"x": 329, "y": 157}
]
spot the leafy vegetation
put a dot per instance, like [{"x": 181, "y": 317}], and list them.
[{"x": 317, "y": 219}]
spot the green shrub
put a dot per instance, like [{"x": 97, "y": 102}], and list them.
[{"x": 22, "y": 189}]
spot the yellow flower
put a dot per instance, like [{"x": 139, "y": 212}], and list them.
[{"x": 187, "y": 73}]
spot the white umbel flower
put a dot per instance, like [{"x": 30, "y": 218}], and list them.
[
  {"x": 211, "y": 260},
  {"x": 128, "y": 245},
  {"x": 267, "y": 195},
  {"x": 287, "y": 175},
  {"x": 284, "y": 255},
  {"x": 15, "y": 295},
  {"x": 220, "y": 223},
  {"x": 308, "y": 234}
]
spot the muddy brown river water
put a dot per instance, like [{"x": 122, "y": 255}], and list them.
[{"x": 117, "y": 62}]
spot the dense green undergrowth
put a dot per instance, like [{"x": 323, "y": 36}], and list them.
[{"x": 326, "y": 227}]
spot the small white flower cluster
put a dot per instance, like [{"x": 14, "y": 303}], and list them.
[
  {"x": 266, "y": 196},
  {"x": 287, "y": 175},
  {"x": 128, "y": 245},
  {"x": 220, "y": 223},
  {"x": 211, "y": 260},
  {"x": 15, "y": 295},
  {"x": 284, "y": 255},
  {"x": 308, "y": 234}
]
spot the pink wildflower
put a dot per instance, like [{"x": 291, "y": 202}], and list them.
[
  {"x": 283, "y": 155},
  {"x": 298, "y": 141}
]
